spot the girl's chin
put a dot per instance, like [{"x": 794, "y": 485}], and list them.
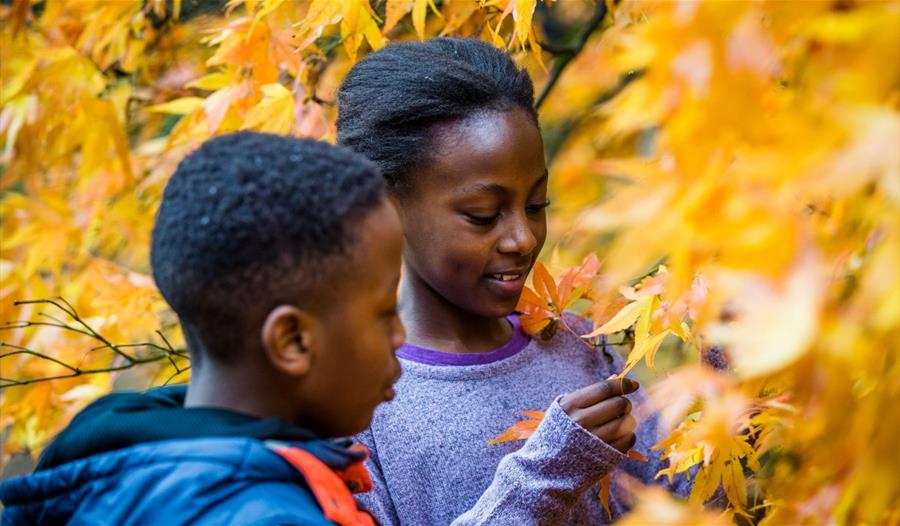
[
  {"x": 486, "y": 300},
  {"x": 499, "y": 307}
]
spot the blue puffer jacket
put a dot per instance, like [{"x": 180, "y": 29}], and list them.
[{"x": 197, "y": 480}]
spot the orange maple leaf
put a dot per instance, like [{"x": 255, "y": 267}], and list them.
[
  {"x": 545, "y": 303},
  {"x": 603, "y": 492},
  {"x": 636, "y": 455},
  {"x": 522, "y": 429}
]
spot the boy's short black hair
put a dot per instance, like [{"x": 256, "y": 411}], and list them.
[
  {"x": 389, "y": 100},
  {"x": 250, "y": 221}
]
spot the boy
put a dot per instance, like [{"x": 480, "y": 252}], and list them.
[{"x": 281, "y": 257}]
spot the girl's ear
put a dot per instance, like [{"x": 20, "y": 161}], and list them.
[{"x": 290, "y": 339}]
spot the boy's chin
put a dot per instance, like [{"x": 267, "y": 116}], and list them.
[{"x": 347, "y": 431}]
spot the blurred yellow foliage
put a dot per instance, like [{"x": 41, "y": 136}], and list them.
[{"x": 753, "y": 147}]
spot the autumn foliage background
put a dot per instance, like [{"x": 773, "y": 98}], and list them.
[{"x": 724, "y": 174}]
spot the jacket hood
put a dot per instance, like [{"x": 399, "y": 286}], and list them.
[
  {"x": 126, "y": 433},
  {"x": 121, "y": 420}
]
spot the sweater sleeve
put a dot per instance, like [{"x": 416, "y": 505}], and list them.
[
  {"x": 378, "y": 500},
  {"x": 540, "y": 483}
]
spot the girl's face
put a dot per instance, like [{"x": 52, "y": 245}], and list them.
[{"x": 475, "y": 218}]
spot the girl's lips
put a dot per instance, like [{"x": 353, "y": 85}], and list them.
[{"x": 506, "y": 287}]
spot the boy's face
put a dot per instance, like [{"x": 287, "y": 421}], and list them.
[
  {"x": 356, "y": 367},
  {"x": 475, "y": 218}
]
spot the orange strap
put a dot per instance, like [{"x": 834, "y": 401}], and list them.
[
  {"x": 356, "y": 476},
  {"x": 330, "y": 491}
]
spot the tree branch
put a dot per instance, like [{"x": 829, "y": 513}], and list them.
[
  {"x": 557, "y": 138},
  {"x": 568, "y": 54},
  {"x": 554, "y": 49},
  {"x": 165, "y": 352}
]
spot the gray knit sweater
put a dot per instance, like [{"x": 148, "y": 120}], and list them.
[{"x": 431, "y": 464}]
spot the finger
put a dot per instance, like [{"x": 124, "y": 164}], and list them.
[
  {"x": 627, "y": 426},
  {"x": 602, "y": 412},
  {"x": 629, "y": 385},
  {"x": 625, "y": 443},
  {"x": 609, "y": 431},
  {"x": 594, "y": 393}
]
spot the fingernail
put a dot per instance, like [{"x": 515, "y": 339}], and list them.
[{"x": 631, "y": 383}]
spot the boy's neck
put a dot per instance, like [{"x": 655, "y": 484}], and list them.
[
  {"x": 235, "y": 389},
  {"x": 434, "y": 323}
]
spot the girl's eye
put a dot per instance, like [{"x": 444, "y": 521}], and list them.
[
  {"x": 481, "y": 220},
  {"x": 534, "y": 209}
]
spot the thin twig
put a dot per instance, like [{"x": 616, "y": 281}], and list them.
[
  {"x": 166, "y": 341},
  {"x": 81, "y": 372},
  {"x": 587, "y": 341},
  {"x": 71, "y": 313},
  {"x": 11, "y": 325},
  {"x": 176, "y": 352},
  {"x": 175, "y": 374},
  {"x": 52, "y": 318},
  {"x": 25, "y": 350},
  {"x": 95, "y": 334}
]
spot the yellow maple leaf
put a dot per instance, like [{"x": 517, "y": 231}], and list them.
[{"x": 274, "y": 113}]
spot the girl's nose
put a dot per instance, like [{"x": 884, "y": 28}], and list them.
[{"x": 518, "y": 238}]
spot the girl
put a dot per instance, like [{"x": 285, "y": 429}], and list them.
[{"x": 451, "y": 122}]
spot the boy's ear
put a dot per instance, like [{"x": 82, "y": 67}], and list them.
[
  {"x": 290, "y": 337},
  {"x": 397, "y": 201}
]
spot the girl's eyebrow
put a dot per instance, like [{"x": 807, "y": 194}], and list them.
[
  {"x": 491, "y": 188},
  {"x": 497, "y": 189},
  {"x": 542, "y": 179}
]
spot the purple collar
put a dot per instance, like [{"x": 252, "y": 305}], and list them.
[{"x": 516, "y": 343}]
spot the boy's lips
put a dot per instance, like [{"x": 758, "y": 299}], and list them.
[{"x": 389, "y": 391}]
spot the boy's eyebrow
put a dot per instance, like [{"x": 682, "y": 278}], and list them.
[{"x": 395, "y": 283}]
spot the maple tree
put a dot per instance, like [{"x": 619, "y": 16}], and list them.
[{"x": 725, "y": 174}]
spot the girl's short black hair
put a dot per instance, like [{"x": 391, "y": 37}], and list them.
[{"x": 389, "y": 100}]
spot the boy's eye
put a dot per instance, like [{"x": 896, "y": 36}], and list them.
[
  {"x": 481, "y": 220},
  {"x": 533, "y": 209}
]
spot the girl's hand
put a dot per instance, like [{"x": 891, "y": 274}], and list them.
[{"x": 603, "y": 410}]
